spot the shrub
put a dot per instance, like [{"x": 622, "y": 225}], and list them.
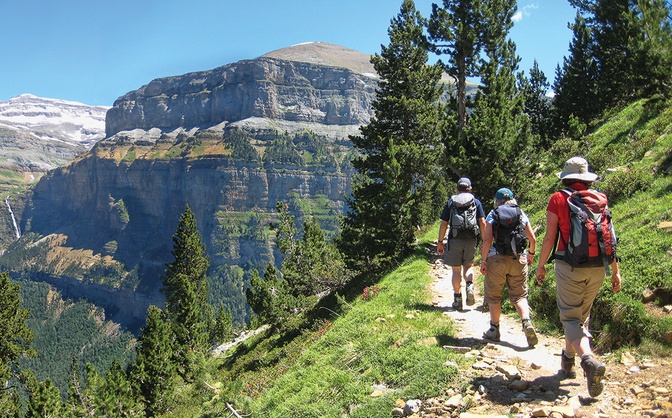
[{"x": 623, "y": 184}]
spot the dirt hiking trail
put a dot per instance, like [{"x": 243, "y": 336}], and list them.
[{"x": 511, "y": 379}]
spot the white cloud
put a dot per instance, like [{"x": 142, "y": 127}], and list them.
[{"x": 524, "y": 12}]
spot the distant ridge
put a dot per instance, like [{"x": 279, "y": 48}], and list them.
[{"x": 322, "y": 53}]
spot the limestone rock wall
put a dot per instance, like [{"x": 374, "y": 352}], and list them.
[{"x": 261, "y": 88}]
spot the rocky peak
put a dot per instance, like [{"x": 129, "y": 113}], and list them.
[{"x": 301, "y": 84}]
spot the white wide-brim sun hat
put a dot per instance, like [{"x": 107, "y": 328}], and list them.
[{"x": 576, "y": 168}]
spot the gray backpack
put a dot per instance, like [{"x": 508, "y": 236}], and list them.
[{"x": 463, "y": 223}]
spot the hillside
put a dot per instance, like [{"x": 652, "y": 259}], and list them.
[{"x": 368, "y": 352}]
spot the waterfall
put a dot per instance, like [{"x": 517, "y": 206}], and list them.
[{"x": 16, "y": 227}]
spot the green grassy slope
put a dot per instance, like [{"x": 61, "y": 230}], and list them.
[{"x": 331, "y": 366}]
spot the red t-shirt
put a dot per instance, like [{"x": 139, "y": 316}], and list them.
[{"x": 558, "y": 205}]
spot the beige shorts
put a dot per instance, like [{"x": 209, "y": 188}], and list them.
[
  {"x": 505, "y": 270},
  {"x": 576, "y": 289}
]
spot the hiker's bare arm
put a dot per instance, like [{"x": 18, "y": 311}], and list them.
[
  {"x": 482, "y": 226},
  {"x": 529, "y": 233},
  {"x": 485, "y": 246},
  {"x": 442, "y": 235},
  {"x": 615, "y": 277},
  {"x": 547, "y": 245}
]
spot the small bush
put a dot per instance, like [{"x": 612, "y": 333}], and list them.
[{"x": 623, "y": 184}]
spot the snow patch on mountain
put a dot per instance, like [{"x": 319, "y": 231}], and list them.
[{"x": 54, "y": 120}]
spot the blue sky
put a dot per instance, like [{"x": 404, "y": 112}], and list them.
[{"x": 93, "y": 51}]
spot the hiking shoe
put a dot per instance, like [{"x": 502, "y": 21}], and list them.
[
  {"x": 594, "y": 372},
  {"x": 567, "y": 365},
  {"x": 470, "y": 294},
  {"x": 492, "y": 334},
  {"x": 457, "y": 304},
  {"x": 530, "y": 334}
]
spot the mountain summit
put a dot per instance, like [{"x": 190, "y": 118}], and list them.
[{"x": 321, "y": 53}]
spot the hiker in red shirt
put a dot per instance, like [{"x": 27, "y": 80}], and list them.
[{"x": 577, "y": 286}]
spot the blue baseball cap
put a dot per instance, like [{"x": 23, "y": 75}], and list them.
[{"x": 504, "y": 194}]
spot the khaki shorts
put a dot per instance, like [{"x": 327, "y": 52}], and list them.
[
  {"x": 576, "y": 289},
  {"x": 505, "y": 270},
  {"x": 459, "y": 251}
]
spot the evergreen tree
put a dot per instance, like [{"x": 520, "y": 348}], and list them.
[
  {"x": 222, "y": 329},
  {"x": 537, "y": 104},
  {"x": 455, "y": 31},
  {"x": 153, "y": 373},
  {"x": 78, "y": 403},
  {"x": 652, "y": 49},
  {"x": 44, "y": 401},
  {"x": 185, "y": 285},
  {"x": 397, "y": 179},
  {"x": 632, "y": 45},
  {"x": 265, "y": 294},
  {"x": 313, "y": 265},
  {"x": 15, "y": 342},
  {"x": 499, "y": 130},
  {"x": 575, "y": 86},
  {"x": 115, "y": 397}
]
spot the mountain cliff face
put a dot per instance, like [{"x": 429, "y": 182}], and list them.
[
  {"x": 38, "y": 135},
  {"x": 266, "y": 88},
  {"x": 228, "y": 142}
]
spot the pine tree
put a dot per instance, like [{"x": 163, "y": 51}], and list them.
[
  {"x": 455, "y": 30},
  {"x": 15, "y": 341},
  {"x": 44, "y": 401},
  {"x": 185, "y": 285},
  {"x": 576, "y": 85},
  {"x": 499, "y": 133},
  {"x": 265, "y": 294},
  {"x": 154, "y": 371},
  {"x": 115, "y": 397},
  {"x": 400, "y": 150},
  {"x": 78, "y": 403},
  {"x": 652, "y": 49},
  {"x": 537, "y": 104},
  {"x": 311, "y": 265},
  {"x": 222, "y": 329}
]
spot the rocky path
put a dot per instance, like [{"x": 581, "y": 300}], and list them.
[{"x": 510, "y": 379}]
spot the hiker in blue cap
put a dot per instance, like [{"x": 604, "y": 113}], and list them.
[{"x": 505, "y": 260}]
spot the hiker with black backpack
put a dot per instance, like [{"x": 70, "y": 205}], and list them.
[
  {"x": 581, "y": 239},
  {"x": 505, "y": 260},
  {"x": 464, "y": 219}
]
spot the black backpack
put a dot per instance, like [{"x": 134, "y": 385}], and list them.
[
  {"x": 463, "y": 222},
  {"x": 508, "y": 231}
]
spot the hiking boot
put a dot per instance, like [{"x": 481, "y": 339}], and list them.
[
  {"x": 470, "y": 294},
  {"x": 457, "y": 304},
  {"x": 594, "y": 372},
  {"x": 567, "y": 365},
  {"x": 492, "y": 334},
  {"x": 530, "y": 334}
]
